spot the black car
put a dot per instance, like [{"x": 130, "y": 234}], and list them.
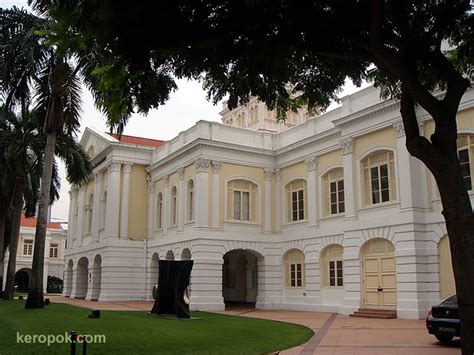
[{"x": 443, "y": 320}]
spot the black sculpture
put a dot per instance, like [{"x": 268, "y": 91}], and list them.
[{"x": 172, "y": 288}]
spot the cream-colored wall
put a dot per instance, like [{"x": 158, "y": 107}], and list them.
[
  {"x": 137, "y": 208},
  {"x": 297, "y": 170},
  {"x": 382, "y": 138},
  {"x": 328, "y": 160},
  {"x": 465, "y": 119},
  {"x": 229, "y": 171},
  {"x": 446, "y": 275}
]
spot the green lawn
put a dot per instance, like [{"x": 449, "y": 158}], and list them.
[{"x": 140, "y": 333}]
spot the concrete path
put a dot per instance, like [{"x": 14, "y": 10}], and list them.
[{"x": 334, "y": 333}]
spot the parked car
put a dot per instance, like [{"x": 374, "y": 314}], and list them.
[{"x": 443, "y": 320}]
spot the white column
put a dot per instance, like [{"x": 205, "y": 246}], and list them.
[
  {"x": 126, "y": 168},
  {"x": 279, "y": 200},
  {"x": 216, "y": 191},
  {"x": 96, "y": 208},
  {"x": 166, "y": 205},
  {"x": 202, "y": 193},
  {"x": 80, "y": 217},
  {"x": 411, "y": 179},
  {"x": 113, "y": 200},
  {"x": 181, "y": 193},
  {"x": 72, "y": 208},
  {"x": 150, "y": 207},
  {"x": 311, "y": 188},
  {"x": 268, "y": 200},
  {"x": 350, "y": 199}
]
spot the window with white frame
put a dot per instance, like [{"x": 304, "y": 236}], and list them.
[
  {"x": 28, "y": 247},
  {"x": 294, "y": 269},
  {"x": 465, "y": 144},
  {"x": 379, "y": 178},
  {"x": 159, "y": 211},
  {"x": 103, "y": 209},
  {"x": 296, "y": 200},
  {"x": 174, "y": 206},
  {"x": 190, "y": 201},
  {"x": 53, "y": 251},
  {"x": 241, "y": 201},
  {"x": 88, "y": 211},
  {"x": 333, "y": 182},
  {"x": 333, "y": 275}
]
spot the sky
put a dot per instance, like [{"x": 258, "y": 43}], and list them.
[{"x": 185, "y": 107}]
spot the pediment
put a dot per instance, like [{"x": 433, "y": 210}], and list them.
[{"x": 94, "y": 141}]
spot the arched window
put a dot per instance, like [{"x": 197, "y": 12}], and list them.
[
  {"x": 379, "y": 178},
  {"x": 331, "y": 263},
  {"x": 103, "y": 209},
  {"x": 174, "y": 206},
  {"x": 333, "y": 190},
  {"x": 241, "y": 200},
  {"x": 88, "y": 211},
  {"x": 190, "y": 201},
  {"x": 294, "y": 269},
  {"x": 465, "y": 144},
  {"x": 296, "y": 200},
  {"x": 159, "y": 211}
]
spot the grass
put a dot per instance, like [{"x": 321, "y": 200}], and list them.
[{"x": 140, "y": 333}]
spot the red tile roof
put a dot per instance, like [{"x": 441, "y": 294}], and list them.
[
  {"x": 137, "y": 140},
  {"x": 31, "y": 222}
]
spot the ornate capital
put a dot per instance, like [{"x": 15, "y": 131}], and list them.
[
  {"x": 181, "y": 173},
  {"x": 277, "y": 173},
  {"x": 310, "y": 164},
  {"x": 166, "y": 180},
  {"x": 114, "y": 166},
  {"x": 347, "y": 145},
  {"x": 216, "y": 166},
  {"x": 399, "y": 129},
  {"x": 126, "y": 167},
  {"x": 202, "y": 165},
  {"x": 148, "y": 178},
  {"x": 268, "y": 173}
]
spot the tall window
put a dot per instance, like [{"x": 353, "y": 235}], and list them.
[
  {"x": 332, "y": 266},
  {"x": 174, "y": 206},
  {"x": 334, "y": 192},
  {"x": 190, "y": 201},
  {"x": 294, "y": 269},
  {"x": 159, "y": 211},
  {"x": 296, "y": 196},
  {"x": 465, "y": 145},
  {"x": 53, "y": 251},
  {"x": 103, "y": 209},
  {"x": 379, "y": 178},
  {"x": 88, "y": 211},
  {"x": 28, "y": 247},
  {"x": 241, "y": 200}
]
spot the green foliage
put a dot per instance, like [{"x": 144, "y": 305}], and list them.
[{"x": 140, "y": 333}]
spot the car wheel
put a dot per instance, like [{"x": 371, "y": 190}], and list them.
[{"x": 444, "y": 338}]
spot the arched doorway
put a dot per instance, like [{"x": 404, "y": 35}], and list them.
[
  {"x": 379, "y": 275},
  {"x": 186, "y": 254},
  {"x": 239, "y": 277},
  {"x": 169, "y": 255},
  {"x": 68, "y": 279},
  {"x": 22, "y": 280},
  {"x": 82, "y": 278},
  {"x": 96, "y": 278},
  {"x": 447, "y": 285}
]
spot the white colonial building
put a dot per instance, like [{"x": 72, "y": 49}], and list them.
[
  {"x": 53, "y": 256},
  {"x": 328, "y": 213}
]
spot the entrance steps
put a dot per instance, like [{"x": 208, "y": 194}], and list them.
[{"x": 374, "y": 313}]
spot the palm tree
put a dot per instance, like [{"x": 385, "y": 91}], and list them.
[{"x": 35, "y": 69}]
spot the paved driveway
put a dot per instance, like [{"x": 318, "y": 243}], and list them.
[{"x": 334, "y": 333}]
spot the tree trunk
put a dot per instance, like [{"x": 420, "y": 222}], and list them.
[
  {"x": 35, "y": 293},
  {"x": 3, "y": 220},
  {"x": 17, "y": 208},
  {"x": 440, "y": 156}
]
